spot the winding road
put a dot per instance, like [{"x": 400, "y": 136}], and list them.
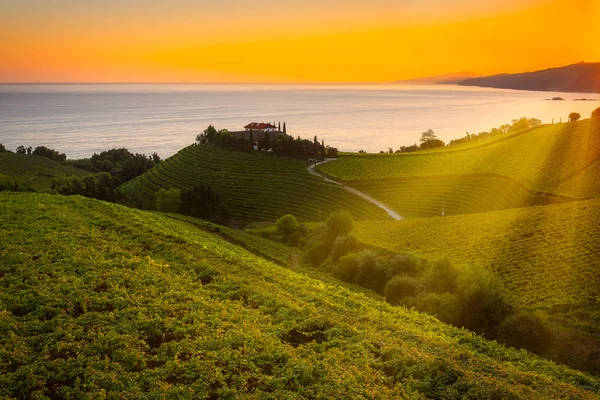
[{"x": 311, "y": 169}]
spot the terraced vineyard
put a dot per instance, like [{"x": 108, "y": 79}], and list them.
[
  {"x": 254, "y": 186},
  {"x": 34, "y": 171},
  {"x": 453, "y": 195},
  {"x": 101, "y": 301},
  {"x": 543, "y": 159},
  {"x": 547, "y": 256}
]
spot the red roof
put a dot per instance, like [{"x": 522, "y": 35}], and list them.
[{"x": 261, "y": 125}]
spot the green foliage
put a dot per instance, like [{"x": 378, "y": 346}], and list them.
[
  {"x": 339, "y": 223},
  {"x": 287, "y": 225},
  {"x": 347, "y": 268},
  {"x": 596, "y": 113},
  {"x": 317, "y": 253},
  {"x": 526, "y": 331},
  {"x": 168, "y": 200},
  {"x": 203, "y": 202},
  {"x": 401, "y": 286},
  {"x": 53, "y": 155},
  {"x": 441, "y": 276},
  {"x": 253, "y": 186},
  {"x": 444, "y": 306},
  {"x": 429, "y": 140},
  {"x": 343, "y": 245},
  {"x": 3, "y": 149},
  {"x": 101, "y": 186},
  {"x": 101, "y": 301},
  {"x": 405, "y": 264},
  {"x": 371, "y": 273}
]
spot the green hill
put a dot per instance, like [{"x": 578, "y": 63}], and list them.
[
  {"x": 254, "y": 186},
  {"x": 543, "y": 159},
  {"x": 102, "y": 301},
  {"x": 34, "y": 171},
  {"x": 547, "y": 256}
]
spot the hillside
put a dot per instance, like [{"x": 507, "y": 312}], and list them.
[
  {"x": 254, "y": 186},
  {"x": 552, "y": 158},
  {"x": 99, "y": 300},
  {"x": 580, "y": 78},
  {"x": 451, "y": 78},
  {"x": 547, "y": 256},
  {"x": 34, "y": 171}
]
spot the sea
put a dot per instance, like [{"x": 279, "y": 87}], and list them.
[{"x": 82, "y": 119}]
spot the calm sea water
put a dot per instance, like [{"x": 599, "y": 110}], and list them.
[{"x": 80, "y": 119}]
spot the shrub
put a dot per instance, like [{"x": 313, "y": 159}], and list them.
[
  {"x": 525, "y": 331},
  {"x": 596, "y": 113},
  {"x": 347, "y": 268},
  {"x": 573, "y": 117},
  {"x": 444, "y": 306},
  {"x": 339, "y": 223},
  {"x": 3, "y": 149},
  {"x": 371, "y": 274},
  {"x": 168, "y": 200},
  {"x": 317, "y": 253},
  {"x": 405, "y": 264},
  {"x": 49, "y": 153},
  {"x": 287, "y": 225},
  {"x": 483, "y": 300},
  {"x": 441, "y": 276},
  {"x": 399, "y": 287},
  {"x": 343, "y": 245}
]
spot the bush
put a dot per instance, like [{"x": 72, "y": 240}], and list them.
[
  {"x": 3, "y": 149},
  {"x": 168, "y": 200},
  {"x": 287, "y": 225},
  {"x": 371, "y": 274},
  {"x": 573, "y": 117},
  {"x": 525, "y": 331},
  {"x": 317, "y": 253},
  {"x": 401, "y": 286},
  {"x": 596, "y": 113},
  {"x": 444, "y": 306},
  {"x": 339, "y": 223},
  {"x": 483, "y": 300},
  {"x": 347, "y": 268},
  {"x": 405, "y": 264},
  {"x": 49, "y": 153},
  {"x": 441, "y": 276},
  {"x": 343, "y": 245}
]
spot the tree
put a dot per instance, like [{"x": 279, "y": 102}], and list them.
[
  {"x": 168, "y": 200},
  {"x": 284, "y": 129},
  {"x": 574, "y": 117},
  {"x": 3, "y": 149},
  {"x": 21, "y": 150},
  {"x": 49, "y": 153},
  {"x": 287, "y": 225},
  {"x": 429, "y": 140},
  {"x": 595, "y": 114},
  {"x": 267, "y": 142},
  {"x": 279, "y": 126},
  {"x": 251, "y": 139},
  {"x": 156, "y": 158},
  {"x": 29, "y": 150},
  {"x": 339, "y": 223},
  {"x": 428, "y": 136}
]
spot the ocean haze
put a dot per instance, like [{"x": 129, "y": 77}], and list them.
[{"x": 81, "y": 119}]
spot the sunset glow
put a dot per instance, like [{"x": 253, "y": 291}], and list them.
[{"x": 313, "y": 41}]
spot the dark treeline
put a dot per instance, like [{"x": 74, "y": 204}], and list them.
[
  {"x": 516, "y": 125},
  {"x": 199, "y": 202},
  {"x": 120, "y": 163},
  {"x": 275, "y": 142}
]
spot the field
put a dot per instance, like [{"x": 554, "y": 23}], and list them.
[
  {"x": 255, "y": 187},
  {"x": 453, "y": 195},
  {"x": 548, "y": 257},
  {"x": 561, "y": 159},
  {"x": 34, "y": 171},
  {"x": 102, "y": 301}
]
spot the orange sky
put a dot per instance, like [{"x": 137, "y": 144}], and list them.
[{"x": 278, "y": 41}]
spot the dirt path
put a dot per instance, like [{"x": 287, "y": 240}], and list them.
[{"x": 311, "y": 169}]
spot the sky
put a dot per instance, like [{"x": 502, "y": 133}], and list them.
[{"x": 289, "y": 41}]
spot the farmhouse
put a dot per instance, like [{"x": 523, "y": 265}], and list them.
[{"x": 259, "y": 130}]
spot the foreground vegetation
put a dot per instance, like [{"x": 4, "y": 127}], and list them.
[
  {"x": 99, "y": 300},
  {"x": 254, "y": 186}
]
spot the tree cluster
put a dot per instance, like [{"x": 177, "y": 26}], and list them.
[
  {"x": 596, "y": 113},
  {"x": 120, "y": 163},
  {"x": 276, "y": 143},
  {"x": 199, "y": 202},
  {"x": 102, "y": 186}
]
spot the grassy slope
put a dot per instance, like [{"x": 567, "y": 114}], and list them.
[
  {"x": 97, "y": 298},
  {"x": 254, "y": 186},
  {"x": 429, "y": 196},
  {"x": 548, "y": 256},
  {"x": 543, "y": 159},
  {"x": 34, "y": 171}
]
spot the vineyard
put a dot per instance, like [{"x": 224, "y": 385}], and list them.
[
  {"x": 34, "y": 171},
  {"x": 543, "y": 159},
  {"x": 452, "y": 195},
  {"x": 103, "y": 301},
  {"x": 547, "y": 256},
  {"x": 255, "y": 187}
]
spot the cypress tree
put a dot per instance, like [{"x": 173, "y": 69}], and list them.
[
  {"x": 251, "y": 138},
  {"x": 284, "y": 130},
  {"x": 279, "y": 126}
]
